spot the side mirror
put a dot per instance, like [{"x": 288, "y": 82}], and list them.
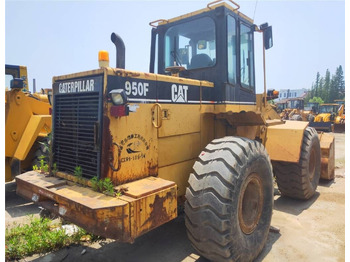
[
  {"x": 17, "y": 83},
  {"x": 267, "y": 34}
]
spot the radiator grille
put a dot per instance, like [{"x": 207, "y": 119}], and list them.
[{"x": 75, "y": 118}]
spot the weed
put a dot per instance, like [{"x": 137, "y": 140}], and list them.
[
  {"x": 78, "y": 172},
  {"x": 103, "y": 185},
  {"x": 108, "y": 187},
  {"x": 38, "y": 237}
]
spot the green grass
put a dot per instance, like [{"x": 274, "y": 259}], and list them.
[{"x": 38, "y": 237}]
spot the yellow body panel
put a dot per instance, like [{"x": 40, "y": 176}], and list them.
[
  {"x": 134, "y": 145},
  {"x": 26, "y": 119},
  {"x": 37, "y": 125},
  {"x": 178, "y": 173},
  {"x": 283, "y": 142},
  {"x": 327, "y": 144},
  {"x": 172, "y": 150}
]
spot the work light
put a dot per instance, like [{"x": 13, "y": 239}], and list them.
[{"x": 118, "y": 97}]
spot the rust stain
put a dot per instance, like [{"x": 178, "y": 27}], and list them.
[
  {"x": 159, "y": 214},
  {"x": 106, "y": 147}
]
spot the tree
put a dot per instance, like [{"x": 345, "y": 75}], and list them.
[
  {"x": 317, "y": 84},
  {"x": 328, "y": 88},
  {"x": 316, "y": 99}
]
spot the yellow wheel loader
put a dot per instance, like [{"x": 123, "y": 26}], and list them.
[
  {"x": 294, "y": 110},
  {"x": 191, "y": 129},
  {"x": 27, "y": 121},
  {"x": 329, "y": 114}
]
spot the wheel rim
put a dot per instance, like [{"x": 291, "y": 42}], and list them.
[
  {"x": 312, "y": 164},
  {"x": 250, "y": 203}
]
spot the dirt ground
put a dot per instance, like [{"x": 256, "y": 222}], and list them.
[{"x": 309, "y": 231}]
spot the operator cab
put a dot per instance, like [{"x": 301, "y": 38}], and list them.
[{"x": 216, "y": 44}]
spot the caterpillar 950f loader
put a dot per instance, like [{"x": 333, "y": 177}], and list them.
[{"x": 193, "y": 130}]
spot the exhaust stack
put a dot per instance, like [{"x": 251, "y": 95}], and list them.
[{"x": 120, "y": 47}]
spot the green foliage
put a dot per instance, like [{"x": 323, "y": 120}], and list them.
[
  {"x": 78, "y": 171},
  {"x": 316, "y": 99},
  {"x": 328, "y": 88},
  {"x": 44, "y": 168},
  {"x": 47, "y": 149},
  {"x": 108, "y": 187},
  {"x": 54, "y": 169},
  {"x": 37, "y": 237},
  {"x": 103, "y": 185}
]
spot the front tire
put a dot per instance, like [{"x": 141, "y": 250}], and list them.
[
  {"x": 230, "y": 200},
  {"x": 300, "y": 180}
]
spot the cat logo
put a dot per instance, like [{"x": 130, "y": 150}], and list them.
[{"x": 179, "y": 93}]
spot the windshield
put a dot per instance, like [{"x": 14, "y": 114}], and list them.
[
  {"x": 191, "y": 45},
  {"x": 295, "y": 104},
  {"x": 329, "y": 109}
]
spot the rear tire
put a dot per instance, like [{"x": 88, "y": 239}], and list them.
[
  {"x": 300, "y": 180},
  {"x": 230, "y": 200}
]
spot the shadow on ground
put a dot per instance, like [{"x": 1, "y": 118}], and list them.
[
  {"x": 16, "y": 206},
  {"x": 294, "y": 206}
]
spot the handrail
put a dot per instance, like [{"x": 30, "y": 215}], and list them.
[
  {"x": 159, "y": 117},
  {"x": 217, "y": 1},
  {"x": 157, "y": 21}
]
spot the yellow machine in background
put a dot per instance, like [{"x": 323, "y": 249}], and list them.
[
  {"x": 294, "y": 110},
  {"x": 329, "y": 115},
  {"x": 27, "y": 120},
  {"x": 193, "y": 129},
  {"x": 339, "y": 122}
]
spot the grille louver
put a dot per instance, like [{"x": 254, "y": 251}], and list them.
[{"x": 75, "y": 118}]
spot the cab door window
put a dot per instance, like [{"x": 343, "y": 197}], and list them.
[
  {"x": 231, "y": 49},
  {"x": 246, "y": 57}
]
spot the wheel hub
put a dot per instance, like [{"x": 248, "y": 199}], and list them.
[{"x": 250, "y": 203}]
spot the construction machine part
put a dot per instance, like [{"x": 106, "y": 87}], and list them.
[
  {"x": 230, "y": 200},
  {"x": 339, "y": 128},
  {"x": 27, "y": 120},
  {"x": 327, "y": 156},
  {"x": 145, "y": 204},
  {"x": 322, "y": 126},
  {"x": 300, "y": 180},
  {"x": 283, "y": 141}
]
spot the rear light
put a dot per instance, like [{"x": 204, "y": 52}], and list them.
[{"x": 118, "y": 111}]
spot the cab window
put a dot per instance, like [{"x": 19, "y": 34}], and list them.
[
  {"x": 246, "y": 57},
  {"x": 231, "y": 49},
  {"x": 191, "y": 44}
]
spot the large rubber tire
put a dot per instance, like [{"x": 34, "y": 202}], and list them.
[
  {"x": 230, "y": 200},
  {"x": 300, "y": 180}
]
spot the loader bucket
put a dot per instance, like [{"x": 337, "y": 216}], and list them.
[{"x": 327, "y": 156}]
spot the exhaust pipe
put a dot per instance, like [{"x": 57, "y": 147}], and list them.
[{"x": 120, "y": 48}]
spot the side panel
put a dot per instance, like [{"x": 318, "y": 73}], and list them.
[{"x": 134, "y": 145}]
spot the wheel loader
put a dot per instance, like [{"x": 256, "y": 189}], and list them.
[
  {"x": 294, "y": 110},
  {"x": 27, "y": 122},
  {"x": 191, "y": 131},
  {"x": 329, "y": 115}
]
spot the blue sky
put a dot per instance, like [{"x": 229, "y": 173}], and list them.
[{"x": 59, "y": 37}]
